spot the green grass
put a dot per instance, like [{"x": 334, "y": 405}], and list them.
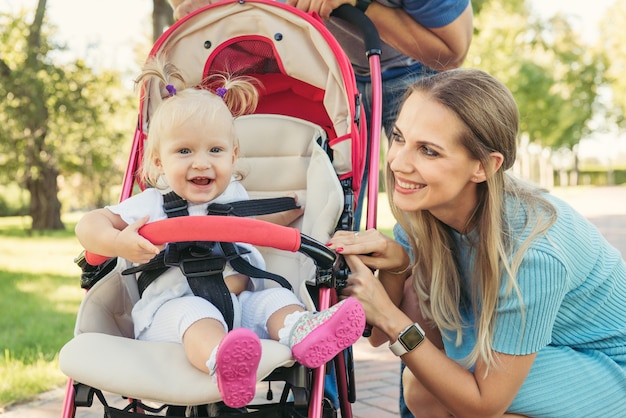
[{"x": 39, "y": 299}]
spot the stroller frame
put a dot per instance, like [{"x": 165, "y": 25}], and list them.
[{"x": 332, "y": 104}]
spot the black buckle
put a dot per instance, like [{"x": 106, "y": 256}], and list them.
[
  {"x": 202, "y": 267},
  {"x": 199, "y": 259},
  {"x": 180, "y": 210},
  {"x": 220, "y": 209}
]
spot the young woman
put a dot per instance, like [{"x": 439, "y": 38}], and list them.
[
  {"x": 191, "y": 150},
  {"x": 522, "y": 303}
]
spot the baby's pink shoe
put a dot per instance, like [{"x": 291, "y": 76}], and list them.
[
  {"x": 318, "y": 337},
  {"x": 237, "y": 361}
]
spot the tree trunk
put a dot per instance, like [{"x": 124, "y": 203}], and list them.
[
  {"x": 42, "y": 173},
  {"x": 45, "y": 207},
  {"x": 162, "y": 17}
]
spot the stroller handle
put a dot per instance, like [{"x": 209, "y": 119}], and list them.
[
  {"x": 357, "y": 18},
  {"x": 231, "y": 229}
]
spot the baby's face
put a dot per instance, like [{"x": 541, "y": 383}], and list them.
[{"x": 197, "y": 160}]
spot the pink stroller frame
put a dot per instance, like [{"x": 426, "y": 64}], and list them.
[{"x": 305, "y": 76}]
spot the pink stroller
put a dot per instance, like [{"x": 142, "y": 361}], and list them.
[{"x": 307, "y": 136}]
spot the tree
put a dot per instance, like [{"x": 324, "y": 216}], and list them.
[
  {"x": 553, "y": 75},
  {"x": 50, "y": 116},
  {"x": 28, "y": 111}
]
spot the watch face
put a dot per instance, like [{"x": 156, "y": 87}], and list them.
[{"x": 411, "y": 338}]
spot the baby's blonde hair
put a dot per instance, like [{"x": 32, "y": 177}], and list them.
[{"x": 219, "y": 97}]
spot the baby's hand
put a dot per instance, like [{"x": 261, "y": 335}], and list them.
[
  {"x": 132, "y": 246},
  {"x": 284, "y": 218}
]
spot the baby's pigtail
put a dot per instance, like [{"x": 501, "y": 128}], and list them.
[
  {"x": 240, "y": 93},
  {"x": 169, "y": 77}
]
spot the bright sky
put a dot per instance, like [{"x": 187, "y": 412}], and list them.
[
  {"x": 585, "y": 14},
  {"x": 106, "y": 31}
]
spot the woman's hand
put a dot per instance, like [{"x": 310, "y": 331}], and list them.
[
  {"x": 380, "y": 308},
  {"x": 376, "y": 250}
]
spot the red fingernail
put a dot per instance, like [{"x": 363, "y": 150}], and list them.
[
  {"x": 328, "y": 244},
  {"x": 339, "y": 249}
]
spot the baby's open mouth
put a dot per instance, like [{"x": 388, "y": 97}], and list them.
[{"x": 201, "y": 181}]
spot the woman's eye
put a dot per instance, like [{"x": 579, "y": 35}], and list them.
[
  {"x": 395, "y": 137},
  {"x": 428, "y": 152}
]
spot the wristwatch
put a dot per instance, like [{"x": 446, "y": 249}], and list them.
[
  {"x": 362, "y": 5},
  {"x": 408, "y": 340}
]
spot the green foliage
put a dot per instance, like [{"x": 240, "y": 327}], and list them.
[
  {"x": 602, "y": 177},
  {"x": 57, "y": 120},
  {"x": 553, "y": 75},
  {"x": 12, "y": 201}
]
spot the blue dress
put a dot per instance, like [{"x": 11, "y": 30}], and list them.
[{"x": 573, "y": 285}]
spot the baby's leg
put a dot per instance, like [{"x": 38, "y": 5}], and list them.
[
  {"x": 200, "y": 340},
  {"x": 264, "y": 311},
  {"x": 277, "y": 320},
  {"x": 192, "y": 321}
]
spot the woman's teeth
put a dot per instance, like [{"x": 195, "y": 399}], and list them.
[{"x": 410, "y": 186}]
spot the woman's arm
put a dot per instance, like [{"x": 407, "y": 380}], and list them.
[
  {"x": 462, "y": 392},
  {"x": 441, "y": 48}
]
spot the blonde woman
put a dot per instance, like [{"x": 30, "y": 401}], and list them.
[
  {"x": 521, "y": 302},
  {"x": 191, "y": 150}
]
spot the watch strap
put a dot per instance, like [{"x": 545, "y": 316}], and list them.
[{"x": 399, "y": 347}]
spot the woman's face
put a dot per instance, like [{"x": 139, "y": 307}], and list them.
[{"x": 432, "y": 170}]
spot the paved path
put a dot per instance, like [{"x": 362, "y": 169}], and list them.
[{"x": 376, "y": 369}]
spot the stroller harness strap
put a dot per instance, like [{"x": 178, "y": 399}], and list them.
[
  {"x": 175, "y": 206},
  {"x": 203, "y": 263}
]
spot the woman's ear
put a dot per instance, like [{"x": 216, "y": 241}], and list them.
[
  {"x": 483, "y": 173},
  {"x": 496, "y": 159}
]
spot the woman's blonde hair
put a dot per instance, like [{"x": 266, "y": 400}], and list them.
[
  {"x": 490, "y": 119},
  {"x": 219, "y": 97}
]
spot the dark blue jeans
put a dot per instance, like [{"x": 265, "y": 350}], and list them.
[{"x": 404, "y": 411}]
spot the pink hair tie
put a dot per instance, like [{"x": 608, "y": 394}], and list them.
[{"x": 221, "y": 91}]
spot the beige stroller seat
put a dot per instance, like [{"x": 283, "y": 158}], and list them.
[{"x": 278, "y": 155}]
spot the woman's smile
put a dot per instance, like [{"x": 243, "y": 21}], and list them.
[{"x": 404, "y": 186}]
